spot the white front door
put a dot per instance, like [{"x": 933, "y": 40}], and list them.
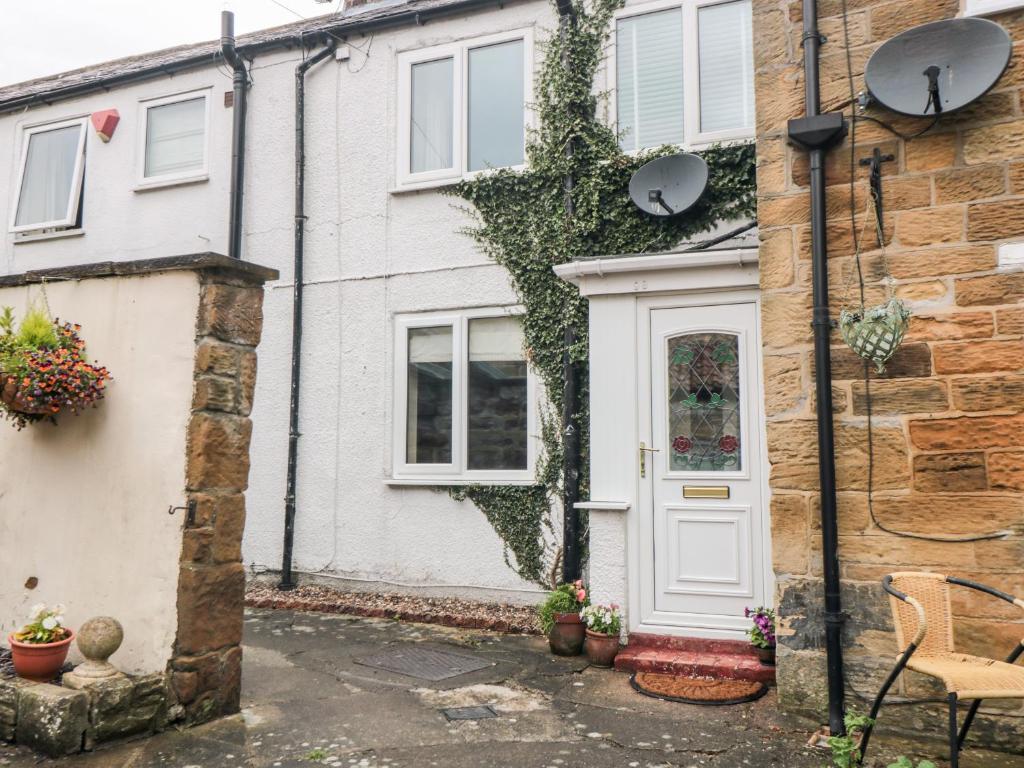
[{"x": 703, "y": 473}]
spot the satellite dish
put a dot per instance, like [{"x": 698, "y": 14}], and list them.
[
  {"x": 938, "y": 67},
  {"x": 669, "y": 185}
]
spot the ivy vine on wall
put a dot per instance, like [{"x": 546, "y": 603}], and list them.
[{"x": 523, "y": 224}]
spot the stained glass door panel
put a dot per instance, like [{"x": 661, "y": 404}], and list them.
[{"x": 704, "y": 403}]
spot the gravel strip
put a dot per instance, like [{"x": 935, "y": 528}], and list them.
[{"x": 450, "y": 612}]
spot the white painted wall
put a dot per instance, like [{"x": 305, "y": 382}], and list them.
[
  {"x": 83, "y": 507},
  {"x": 370, "y": 253}
]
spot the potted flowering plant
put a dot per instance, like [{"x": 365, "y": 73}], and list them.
[
  {"x": 39, "y": 648},
  {"x": 762, "y": 633},
  {"x": 560, "y": 618},
  {"x": 44, "y": 369},
  {"x": 604, "y": 624}
]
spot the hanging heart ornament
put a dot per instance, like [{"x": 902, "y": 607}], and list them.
[{"x": 875, "y": 334}]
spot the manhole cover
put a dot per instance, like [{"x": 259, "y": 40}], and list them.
[
  {"x": 424, "y": 663},
  {"x": 469, "y": 713}
]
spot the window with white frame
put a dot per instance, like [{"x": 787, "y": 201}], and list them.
[
  {"x": 683, "y": 73},
  {"x": 986, "y": 7},
  {"x": 50, "y": 177},
  {"x": 174, "y": 138},
  {"x": 462, "y": 107},
  {"x": 464, "y": 398}
]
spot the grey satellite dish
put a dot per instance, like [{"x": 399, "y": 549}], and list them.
[
  {"x": 669, "y": 185},
  {"x": 938, "y": 67}
]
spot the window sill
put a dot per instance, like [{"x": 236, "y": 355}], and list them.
[
  {"x": 146, "y": 186},
  {"x": 449, "y": 181},
  {"x": 989, "y": 7},
  {"x": 35, "y": 237},
  {"x": 454, "y": 481}
]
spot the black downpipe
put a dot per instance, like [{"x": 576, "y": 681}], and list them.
[
  {"x": 239, "y": 104},
  {"x": 820, "y": 132},
  {"x": 287, "y": 576},
  {"x": 571, "y": 560}
]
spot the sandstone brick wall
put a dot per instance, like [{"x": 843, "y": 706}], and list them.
[
  {"x": 207, "y": 666},
  {"x": 949, "y": 411}
]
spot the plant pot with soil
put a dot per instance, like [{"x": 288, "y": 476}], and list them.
[
  {"x": 560, "y": 618},
  {"x": 762, "y": 633},
  {"x": 44, "y": 370},
  {"x": 604, "y": 625},
  {"x": 40, "y": 648}
]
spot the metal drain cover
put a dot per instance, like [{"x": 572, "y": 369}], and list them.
[
  {"x": 423, "y": 662},
  {"x": 468, "y": 713}
]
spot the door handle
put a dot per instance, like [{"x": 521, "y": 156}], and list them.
[{"x": 644, "y": 450}]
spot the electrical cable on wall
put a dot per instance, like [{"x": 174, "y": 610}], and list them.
[{"x": 873, "y": 208}]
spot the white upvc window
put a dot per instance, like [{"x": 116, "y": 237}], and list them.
[
  {"x": 682, "y": 72},
  {"x": 465, "y": 399},
  {"x": 987, "y": 7},
  {"x": 174, "y": 138},
  {"x": 50, "y": 177},
  {"x": 462, "y": 108}
]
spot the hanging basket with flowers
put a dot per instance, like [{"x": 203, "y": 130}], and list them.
[{"x": 44, "y": 370}]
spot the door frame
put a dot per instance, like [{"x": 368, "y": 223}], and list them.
[{"x": 640, "y": 560}]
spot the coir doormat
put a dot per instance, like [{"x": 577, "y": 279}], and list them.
[{"x": 697, "y": 690}]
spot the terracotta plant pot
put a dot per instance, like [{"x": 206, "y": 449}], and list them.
[
  {"x": 766, "y": 655},
  {"x": 601, "y": 649},
  {"x": 39, "y": 662},
  {"x": 566, "y": 638},
  {"x": 11, "y": 397}
]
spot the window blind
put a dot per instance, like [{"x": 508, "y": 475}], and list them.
[
  {"x": 649, "y": 79},
  {"x": 175, "y": 137},
  {"x": 726, "y": 67},
  {"x": 432, "y": 105}
]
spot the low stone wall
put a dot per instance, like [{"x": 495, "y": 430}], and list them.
[
  {"x": 182, "y": 601},
  {"x": 61, "y": 721}
]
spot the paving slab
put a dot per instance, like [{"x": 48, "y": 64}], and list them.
[{"x": 307, "y": 701}]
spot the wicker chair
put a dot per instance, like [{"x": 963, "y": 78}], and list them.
[{"x": 924, "y": 630}]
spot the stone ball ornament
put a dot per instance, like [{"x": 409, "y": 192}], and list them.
[{"x": 98, "y": 640}]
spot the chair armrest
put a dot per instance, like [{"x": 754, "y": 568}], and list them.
[
  {"x": 987, "y": 590},
  {"x": 922, "y": 618}
]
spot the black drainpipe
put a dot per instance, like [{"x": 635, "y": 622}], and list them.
[
  {"x": 287, "y": 577},
  {"x": 238, "y": 103},
  {"x": 816, "y": 133},
  {"x": 571, "y": 560}
]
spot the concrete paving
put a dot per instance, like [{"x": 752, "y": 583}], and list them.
[{"x": 306, "y": 701}]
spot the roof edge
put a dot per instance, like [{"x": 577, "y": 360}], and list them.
[{"x": 313, "y": 33}]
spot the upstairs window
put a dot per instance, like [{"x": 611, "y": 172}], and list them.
[
  {"x": 464, "y": 399},
  {"x": 462, "y": 108},
  {"x": 174, "y": 138},
  {"x": 683, "y": 73},
  {"x": 50, "y": 178}
]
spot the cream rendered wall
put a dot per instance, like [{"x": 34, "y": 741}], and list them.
[
  {"x": 119, "y": 222},
  {"x": 83, "y": 506},
  {"x": 371, "y": 252}
]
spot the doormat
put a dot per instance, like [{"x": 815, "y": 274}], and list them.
[
  {"x": 697, "y": 690},
  {"x": 424, "y": 663}
]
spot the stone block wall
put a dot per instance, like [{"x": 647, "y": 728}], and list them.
[
  {"x": 206, "y": 670},
  {"x": 948, "y": 412}
]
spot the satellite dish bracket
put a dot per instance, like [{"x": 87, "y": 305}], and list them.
[
  {"x": 934, "y": 99},
  {"x": 655, "y": 196}
]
